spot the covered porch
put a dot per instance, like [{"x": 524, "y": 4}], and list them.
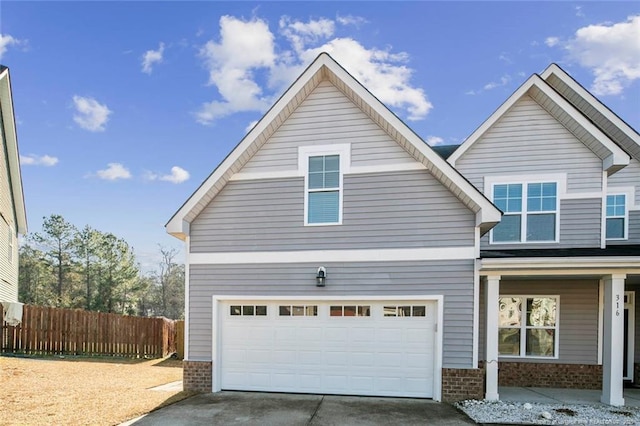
[
  {"x": 563, "y": 395},
  {"x": 574, "y": 327}
]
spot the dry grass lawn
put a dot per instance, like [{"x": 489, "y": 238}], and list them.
[{"x": 83, "y": 391}]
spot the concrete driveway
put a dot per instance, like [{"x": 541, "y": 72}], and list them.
[{"x": 252, "y": 408}]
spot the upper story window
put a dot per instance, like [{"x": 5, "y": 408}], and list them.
[
  {"x": 323, "y": 168},
  {"x": 530, "y": 212},
  {"x": 616, "y": 217},
  {"x": 323, "y": 185}
]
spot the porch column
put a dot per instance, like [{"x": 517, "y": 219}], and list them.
[
  {"x": 492, "y": 294},
  {"x": 612, "y": 357}
]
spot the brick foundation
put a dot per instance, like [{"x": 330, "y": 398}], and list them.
[
  {"x": 573, "y": 376},
  {"x": 196, "y": 376},
  {"x": 462, "y": 383}
]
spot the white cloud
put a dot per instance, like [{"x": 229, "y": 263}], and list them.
[
  {"x": 151, "y": 57},
  {"x": 114, "y": 171},
  {"x": 177, "y": 175},
  {"x": 90, "y": 114},
  {"x": 253, "y": 81},
  {"x": 231, "y": 72},
  {"x": 351, "y": 20},
  {"x": 38, "y": 160},
  {"x": 611, "y": 52},
  {"x": 5, "y": 41},
  {"x": 301, "y": 33},
  {"x": 551, "y": 41},
  {"x": 504, "y": 80},
  {"x": 434, "y": 140}
]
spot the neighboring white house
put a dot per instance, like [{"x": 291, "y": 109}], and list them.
[
  {"x": 13, "y": 219},
  {"x": 333, "y": 251}
]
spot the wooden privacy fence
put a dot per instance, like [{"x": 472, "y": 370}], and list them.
[{"x": 55, "y": 331}]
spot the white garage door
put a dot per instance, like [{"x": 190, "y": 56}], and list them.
[{"x": 341, "y": 347}]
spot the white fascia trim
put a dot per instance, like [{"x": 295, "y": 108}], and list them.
[
  {"x": 306, "y": 256},
  {"x": 562, "y": 265},
  {"x": 439, "y": 332},
  {"x": 592, "y": 100}
]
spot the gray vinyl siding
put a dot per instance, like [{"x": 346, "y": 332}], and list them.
[
  {"x": 8, "y": 261},
  {"x": 627, "y": 177},
  {"x": 580, "y": 222},
  {"x": 452, "y": 278},
  {"x": 380, "y": 210},
  {"x": 326, "y": 117},
  {"x": 578, "y": 321},
  {"x": 528, "y": 140}
]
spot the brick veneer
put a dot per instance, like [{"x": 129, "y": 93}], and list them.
[
  {"x": 462, "y": 383},
  {"x": 196, "y": 376},
  {"x": 575, "y": 376}
]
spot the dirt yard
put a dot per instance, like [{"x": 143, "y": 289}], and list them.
[{"x": 83, "y": 391}]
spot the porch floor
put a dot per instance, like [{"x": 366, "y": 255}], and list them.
[{"x": 565, "y": 396}]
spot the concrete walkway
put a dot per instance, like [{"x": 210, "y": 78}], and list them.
[
  {"x": 566, "y": 396},
  {"x": 255, "y": 408}
]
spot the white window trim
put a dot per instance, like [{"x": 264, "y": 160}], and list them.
[
  {"x": 628, "y": 193},
  {"x": 523, "y": 327},
  {"x": 560, "y": 179},
  {"x": 304, "y": 152}
]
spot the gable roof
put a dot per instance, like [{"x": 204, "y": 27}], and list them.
[
  {"x": 11, "y": 149},
  {"x": 325, "y": 67},
  {"x": 591, "y": 107},
  {"x": 445, "y": 151},
  {"x": 614, "y": 158}
]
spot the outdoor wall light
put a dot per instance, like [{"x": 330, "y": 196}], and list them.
[{"x": 321, "y": 276}]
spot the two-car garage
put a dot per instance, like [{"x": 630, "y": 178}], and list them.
[{"x": 350, "y": 347}]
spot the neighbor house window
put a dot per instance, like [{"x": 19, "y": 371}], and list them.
[
  {"x": 528, "y": 326},
  {"x": 530, "y": 212},
  {"x": 616, "y": 217}
]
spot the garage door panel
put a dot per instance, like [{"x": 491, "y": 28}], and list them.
[{"x": 357, "y": 355}]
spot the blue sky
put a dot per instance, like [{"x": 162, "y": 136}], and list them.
[{"x": 124, "y": 108}]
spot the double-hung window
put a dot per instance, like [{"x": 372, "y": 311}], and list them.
[
  {"x": 323, "y": 168},
  {"x": 616, "y": 217},
  {"x": 323, "y": 186},
  {"x": 530, "y": 212},
  {"x": 528, "y": 326}
]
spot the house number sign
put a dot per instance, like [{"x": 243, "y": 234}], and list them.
[{"x": 618, "y": 304}]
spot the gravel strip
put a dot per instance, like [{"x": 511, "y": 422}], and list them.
[{"x": 548, "y": 414}]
